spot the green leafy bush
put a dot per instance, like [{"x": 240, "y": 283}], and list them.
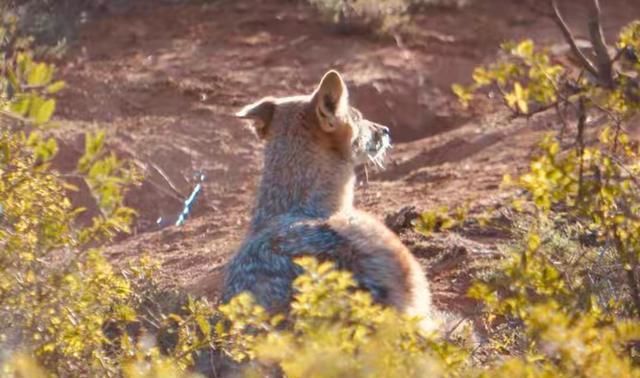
[
  {"x": 64, "y": 306},
  {"x": 333, "y": 331},
  {"x": 565, "y": 300}
]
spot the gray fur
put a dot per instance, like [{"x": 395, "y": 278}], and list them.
[{"x": 305, "y": 205}]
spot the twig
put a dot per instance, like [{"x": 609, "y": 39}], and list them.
[
  {"x": 616, "y": 137},
  {"x": 582, "y": 119},
  {"x": 603, "y": 60},
  {"x": 563, "y": 120},
  {"x": 618, "y": 55},
  {"x": 12, "y": 116},
  {"x": 366, "y": 175},
  {"x": 167, "y": 180},
  {"x": 622, "y": 166},
  {"x": 629, "y": 258},
  {"x": 294, "y": 42},
  {"x": 454, "y": 328},
  {"x": 568, "y": 36}
]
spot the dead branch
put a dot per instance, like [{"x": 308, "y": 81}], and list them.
[
  {"x": 603, "y": 60},
  {"x": 582, "y": 121},
  {"x": 568, "y": 36},
  {"x": 602, "y": 69}
]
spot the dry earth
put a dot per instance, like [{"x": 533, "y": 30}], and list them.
[{"x": 164, "y": 81}]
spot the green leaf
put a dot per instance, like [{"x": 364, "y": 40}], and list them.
[
  {"x": 481, "y": 76},
  {"x": 21, "y": 105},
  {"x": 464, "y": 94},
  {"x": 34, "y": 106},
  {"x": 56, "y": 87},
  {"x": 533, "y": 243},
  {"x": 518, "y": 99},
  {"x": 524, "y": 49},
  {"x": 45, "y": 111},
  {"x": 43, "y": 150},
  {"x": 204, "y": 325},
  {"x": 24, "y": 61},
  {"x": 13, "y": 80},
  {"x": 39, "y": 74}
]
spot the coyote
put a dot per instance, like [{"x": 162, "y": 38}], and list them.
[{"x": 305, "y": 204}]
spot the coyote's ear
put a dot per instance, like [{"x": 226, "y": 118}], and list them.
[
  {"x": 261, "y": 113},
  {"x": 331, "y": 99}
]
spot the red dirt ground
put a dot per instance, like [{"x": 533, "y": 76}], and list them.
[{"x": 164, "y": 81}]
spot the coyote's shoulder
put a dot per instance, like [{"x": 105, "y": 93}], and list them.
[{"x": 305, "y": 204}]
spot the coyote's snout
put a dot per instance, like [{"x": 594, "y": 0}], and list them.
[
  {"x": 372, "y": 142},
  {"x": 305, "y": 204}
]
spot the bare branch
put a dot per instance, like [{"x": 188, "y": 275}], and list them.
[
  {"x": 582, "y": 121},
  {"x": 617, "y": 56},
  {"x": 603, "y": 60},
  {"x": 568, "y": 36}
]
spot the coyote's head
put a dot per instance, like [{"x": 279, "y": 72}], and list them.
[{"x": 323, "y": 122}]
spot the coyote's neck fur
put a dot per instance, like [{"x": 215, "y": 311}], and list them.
[{"x": 300, "y": 178}]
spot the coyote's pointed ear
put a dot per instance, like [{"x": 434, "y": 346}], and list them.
[
  {"x": 261, "y": 113},
  {"x": 331, "y": 99}
]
